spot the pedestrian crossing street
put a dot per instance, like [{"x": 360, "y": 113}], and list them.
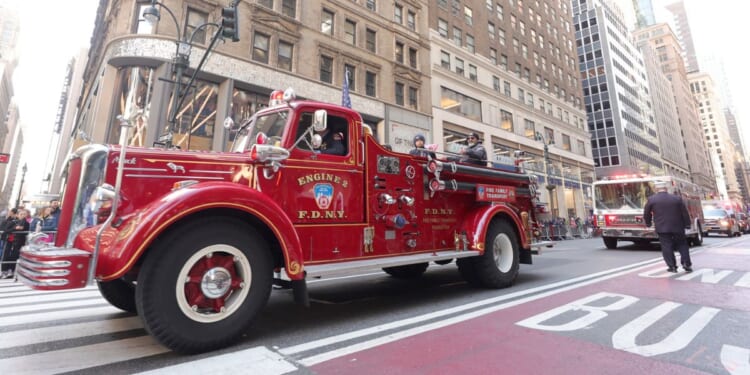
[{"x": 66, "y": 331}]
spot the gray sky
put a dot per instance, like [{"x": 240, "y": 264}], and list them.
[{"x": 52, "y": 32}]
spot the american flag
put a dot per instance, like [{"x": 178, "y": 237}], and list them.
[{"x": 346, "y": 101}]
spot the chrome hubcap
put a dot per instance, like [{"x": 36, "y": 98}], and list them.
[{"x": 216, "y": 282}]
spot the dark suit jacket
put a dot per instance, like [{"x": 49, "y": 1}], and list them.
[{"x": 670, "y": 215}]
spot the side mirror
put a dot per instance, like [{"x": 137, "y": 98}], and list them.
[
  {"x": 317, "y": 140},
  {"x": 320, "y": 120},
  {"x": 228, "y": 123}
]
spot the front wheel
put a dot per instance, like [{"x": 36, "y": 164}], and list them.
[
  {"x": 498, "y": 266},
  {"x": 119, "y": 293},
  {"x": 203, "y": 284},
  {"x": 610, "y": 242}
]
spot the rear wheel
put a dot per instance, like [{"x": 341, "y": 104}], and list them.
[
  {"x": 202, "y": 286},
  {"x": 498, "y": 266},
  {"x": 610, "y": 242},
  {"x": 409, "y": 271},
  {"x": 697, "y": 240},
  {"x": 119, "y": 293}
]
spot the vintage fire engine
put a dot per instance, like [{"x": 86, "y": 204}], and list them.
[{"x": 194, "y": 241}]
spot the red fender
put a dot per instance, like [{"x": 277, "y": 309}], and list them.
[
  {"x": 477, "y": 220},
  {"x": 123, "y": 246}
]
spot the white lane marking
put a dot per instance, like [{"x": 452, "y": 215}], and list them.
[
  {"x": 51, "y": 305},
  {"x": 313, "y": 360},
  {"x": 83, "y": 357},
  {"x": 744, "y": 281},
  {"x": 257, "y": 360},
  {"x": 67, "y": 332},
  {"x": 624, "y": 337},
  {"x": 736, "y": 360},
  {"x": 592, "y": 313},
  {"x": 457, "y": 309},
  {"x": 59, "y": 315},
  {"x": 707, "y": 275},
  {"x": 657, "y": 273},
  {"x": 50, "y": 297}
]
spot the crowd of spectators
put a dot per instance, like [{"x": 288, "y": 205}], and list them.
[{"x": 15, "y": 225}]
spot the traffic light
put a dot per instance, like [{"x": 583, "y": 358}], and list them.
[{"x": 229, "y": 23}]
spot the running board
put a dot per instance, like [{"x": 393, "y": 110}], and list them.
[{"x": 317, "y": 271}]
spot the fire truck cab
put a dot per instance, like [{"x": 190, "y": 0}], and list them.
[{"x": 194, "y": 241}]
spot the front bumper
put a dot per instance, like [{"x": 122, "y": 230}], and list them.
[
  {"x": 53, "y": 268},
  {"x": 626, "y": 233}
]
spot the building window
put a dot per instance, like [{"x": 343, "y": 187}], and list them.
[
  {"x": 457, "y": 36},
  {"x": 493, "y": 55},
  {"x": 196, "y": 117},
  {"x": 326, "y": 23},
  {"x": 350, "y": 32},
  {"x": 549, "y": 135},
  {"x": 399, "y": 93},
  {"x": 496, "y": 83},
  {"x": 506, "y": 88},
  {"x": 468, "y": 16},
  {"x": 370, "y": 79},
  {"x": 472, "y": 72},
  {"x": 411, "y": 20},
  {"x": 461, "y": 104},
  {"x": 413, "y": 57},
  {"x": 413, "y": 98},
  {"x": 445, "y": 60},
  {"x": 521, "y": 95},
  {"x": 289, "y": 8},
  {"x": 501, "y": 36},
  {"x": 400, "y": 52},
  {"x": 506, "y": 120},
  {"x": 370, "y": 42},
  {"x": 491, "y": 30},
  {"x": 459, "y": 66},
  {"x": 351, "y": 70},
  {"x": 260, "y": 47},
  {"x": 566, "y": 142},
  {"x": 504, "y": 62},
  {"x": 371, "y": 5},
  {"x": 581, "y": 147},
  {"x": 443, "y": 28},
  {"x": 529, "y": 129},
  {"x": 499, "y": 10},
  {"x": 135, "y": 85},
  {"x": 470, "y": 43},
  {"x": 286, "y": 53},
  {"x": 326, "y": 69},
  {"x": 398, "y": 15},
  {"x": 196, "y": 18}
]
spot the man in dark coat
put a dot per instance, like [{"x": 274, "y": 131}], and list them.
[
  {"x": 475, "y": 153},
  {"x": 419, "y": 149},
  {"x": 333, "y": 143},
  {"x": 670, "y": 217}
]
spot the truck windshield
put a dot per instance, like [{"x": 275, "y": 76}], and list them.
[
  {"x": 714, "y": 213},
  {"x": 626, "y": 195},
  {"x": 271, "y": 124}
]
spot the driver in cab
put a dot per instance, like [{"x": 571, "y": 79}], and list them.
[{"x": 332, "y": 143}]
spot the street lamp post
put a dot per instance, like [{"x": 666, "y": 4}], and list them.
[
  {"x": 181, "y": 61},
  {"x": 549, "y": 186},
  {"x": 20, "y": 188}
]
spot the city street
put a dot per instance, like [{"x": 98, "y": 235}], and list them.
[{"x": 579, "y": 309}]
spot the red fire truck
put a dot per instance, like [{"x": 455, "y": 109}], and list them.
[{"x": 194, "y": 241}]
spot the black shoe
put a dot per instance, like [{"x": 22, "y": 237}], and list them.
[
  {"x": 672, "y": 269},
  {"x": 688, "y": 269}
]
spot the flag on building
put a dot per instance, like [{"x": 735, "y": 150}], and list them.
[{"x": 346, "y": 101}]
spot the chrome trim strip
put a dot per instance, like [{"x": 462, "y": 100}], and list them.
[
  {"x": 146, "y": 169},
  {"x": 46, "y": 273},
  {"x": 214, "y": 172},
  {"x": 32, "y": 264},
  {"x": 49, "y": 282},
  {"x": 174, "y": 177}
]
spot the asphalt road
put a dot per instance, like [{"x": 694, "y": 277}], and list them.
[{"x": 78, "y": 332}]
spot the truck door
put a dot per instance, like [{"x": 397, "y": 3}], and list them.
[{"x": 324, "y": 192}]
